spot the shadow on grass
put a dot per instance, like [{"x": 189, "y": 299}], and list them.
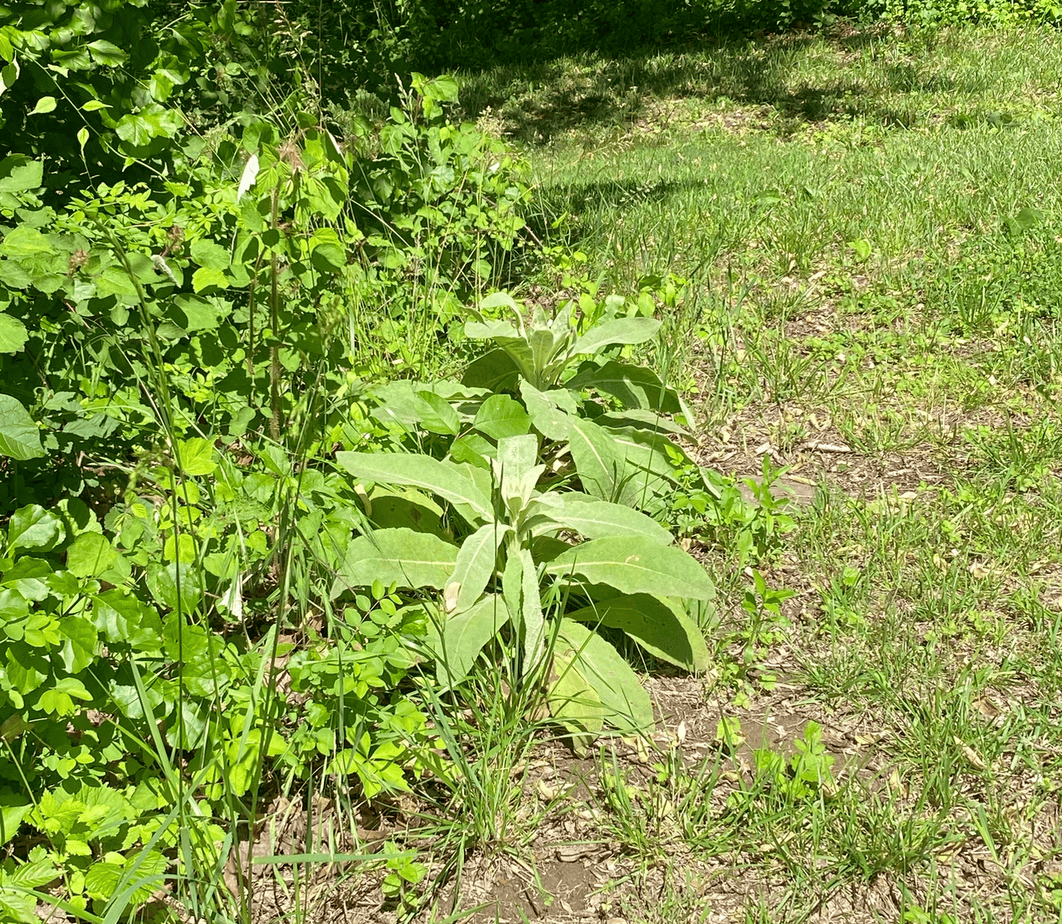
[{"x": 538, "y": 102}]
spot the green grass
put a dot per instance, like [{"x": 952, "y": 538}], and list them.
[{"x": 867, "y": 234}]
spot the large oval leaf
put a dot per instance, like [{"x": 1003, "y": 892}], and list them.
[
  {"x": 635, "y": 566},
  {"x": 396, "y": 556},
  {"x": 474, "y": 567},
  {"x": 615, "y": 332},
  {"x": 447, "y": 480},
  {"x": 661, "y": 629},
  {"x": 634, "y": 386},
  {"x": 19, "y": 437},
  {"x": 459, "y": 639},
  {"x": 598, "y": 519},
  {"x": 598, "y": 460},
  {"x": 625, "y": 704}
]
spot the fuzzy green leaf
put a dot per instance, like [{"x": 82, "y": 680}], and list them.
[
  {"x": 501, "y": 416},
  {"x": 635, "y": 566},
  {"x": 598, "y": 519},
  {"x": 396, "y": 556},
  {"x": 474, "y": 567},
  {"x": 463, "y": 636},
  {"x": 625, "y": 704},
  {"x": 634, "y": 386},
  {"x": 447, "y": 480},
  {"x": 494, "y": 370},
  {"x": 573, "y": 701},
  {"x": 619, "y": 331},
  {"x": 661, "y": 629},
  {"x": 601, "y": 466}
]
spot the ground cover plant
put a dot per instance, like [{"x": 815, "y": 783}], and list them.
[{"x": 619, "y": 486}]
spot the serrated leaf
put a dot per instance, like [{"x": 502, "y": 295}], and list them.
[
  {"x": 79, "y": 648},
  {"x": 20, "y": 174},
  {"x": 19, "y": 437},
  {"x": 197, "y": 456},
  {"x": 207, "y": 277},
  {"x": 196, "y": 313},
  {"x": 175, "y": 585},
  {"x": 33, "y": 527},
  {"x": 635, "y": 566},
  {"x": 207, "y": 253},
  {"x": 404, "y": 557},
  {"x": 660, "y": 628},
  {"x": 91, "y": 555}
]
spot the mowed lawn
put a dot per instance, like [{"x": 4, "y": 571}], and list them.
[{"x": 864, "y": 232}]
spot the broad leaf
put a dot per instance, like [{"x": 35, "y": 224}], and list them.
[
  {"x": 552, "y": 421},
  {"x": 624, "y": 702},
  {"x": 396, "y": 556},
  {"x": 661, "y": 629},
  {"x": 18, "y": 173},
  {"x": 635, "y": 566},
  {"x": 573, "y": 701},
  {"x": 33, "y": 527},
  {"x": 448, "y": 480},
  {"x": 463, "y": 636},
  {"x": 619, "y": 331},
  {"x": 598, "y": 459},
  {"x": 652, "y": 459},
  {"x": 501, "y": 416},
  {"x": 405, "y": 507},
  {"x": 516, "y": 470},
  {"x": 520, "y": 587},
  {"x": 508, "y": 338},
  {"x": 494, "y": 371},
  {"x": 597, "y": 519},
  {"x": 436, "y": 415},
  {"x": 19, "y": 437},
  {"x": 474, "y": 567},
  {"x": 634, "y": 386}
]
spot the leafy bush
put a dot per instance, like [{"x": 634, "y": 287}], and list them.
[{"x": 253, "y": 283}]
